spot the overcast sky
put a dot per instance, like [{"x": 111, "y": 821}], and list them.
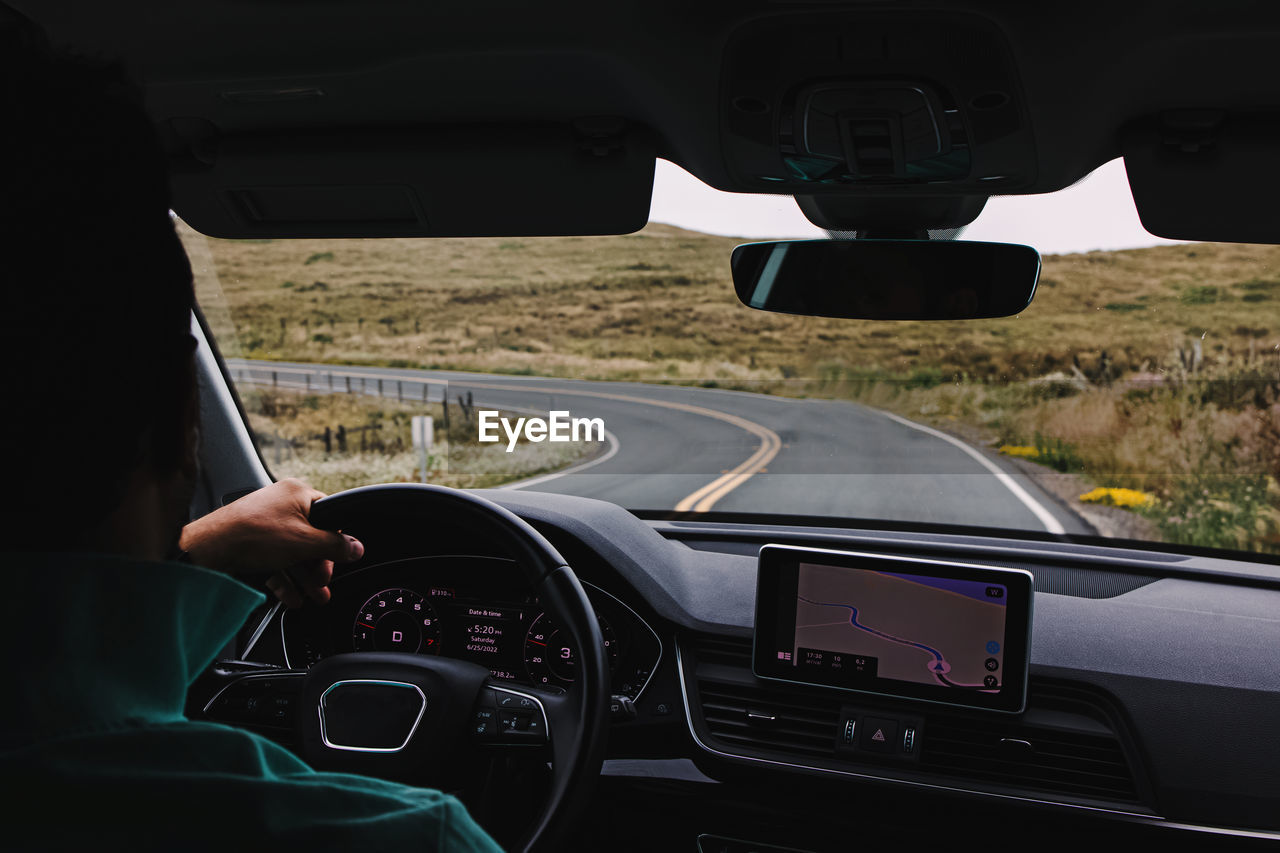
[{"x": 1096, "y": 213}]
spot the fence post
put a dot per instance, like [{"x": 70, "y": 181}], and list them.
[
  {"x": 348, "y": 378},
  {"x": 273, "y": 384},
  {"x": 444, "y": 403},
  {"x": 328, "y": 441},
  {"x": 308, "y": 379},
  {"x": 399, "y": 391},
  {"x": 342, "y": 439},
  {"x": 379, "y": 386}
]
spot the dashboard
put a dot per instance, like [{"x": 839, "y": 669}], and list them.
[{"x": 1151, "y": 709}]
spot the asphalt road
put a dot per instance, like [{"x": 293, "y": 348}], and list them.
[{"x": 673, "y": 447}]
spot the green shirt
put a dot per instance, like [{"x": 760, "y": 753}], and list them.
[{"x": 95, "y": 752}]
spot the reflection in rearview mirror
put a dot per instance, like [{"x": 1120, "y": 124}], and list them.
[{"x": 887, "y": 279}]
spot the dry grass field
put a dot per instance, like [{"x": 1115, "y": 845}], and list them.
[{"x": 1155, "y": 369}]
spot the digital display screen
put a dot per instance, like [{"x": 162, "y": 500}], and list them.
[
  {"x": 490, "y": 636},
  {"x": 919, "y": 629}
]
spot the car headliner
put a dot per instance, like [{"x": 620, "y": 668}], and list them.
[{"x": 220, "y": 71}]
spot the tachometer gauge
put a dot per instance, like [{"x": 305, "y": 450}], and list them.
[
  {"x": 549, "y": 654},
  {"x": 397, "y": 620}
]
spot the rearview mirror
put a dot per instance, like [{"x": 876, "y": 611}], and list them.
[{"x": 887, "y": 279}]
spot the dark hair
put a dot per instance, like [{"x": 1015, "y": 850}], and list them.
[{"x": 95, "y": 344}]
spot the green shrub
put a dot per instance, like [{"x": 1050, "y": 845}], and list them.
[
  {"x": 1259, "y": 284},
  {"x": 318, "y": 256},
  {"x": 1219, "y": 511},
  {"x": 1057, "y": 454},
  {"x": 925, "y": 377},
  {"x": 1200, "y": 295}
]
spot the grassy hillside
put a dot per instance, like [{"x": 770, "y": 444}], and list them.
[
  {"x": 660, "y": 303},
  {"x": 1156, "y": 369}
]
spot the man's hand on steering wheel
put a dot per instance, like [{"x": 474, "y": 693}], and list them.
[{"x": 269, "y": 531}]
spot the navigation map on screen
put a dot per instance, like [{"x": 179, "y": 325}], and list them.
[{"x": 861, "y": 624}]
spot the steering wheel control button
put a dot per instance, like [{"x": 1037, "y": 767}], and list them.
[
  {"x": 515, "y": 702},
  {"x": 370, "y": 715},
  {"x": 484, "y": 724},
  {"x": 258, "y": 700},
  {"x": 513, "y": 722},
  {"x": 517, "y": 719}
]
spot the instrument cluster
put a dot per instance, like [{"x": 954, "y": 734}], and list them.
[{"x": 472, "y": 608}]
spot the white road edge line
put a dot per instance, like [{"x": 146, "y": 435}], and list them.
[
  {"x": 614, "y": 444},
  {"x": 1046, "y": 518}
]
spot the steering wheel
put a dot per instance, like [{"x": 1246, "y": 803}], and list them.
[{"x": 424, "y": 719}]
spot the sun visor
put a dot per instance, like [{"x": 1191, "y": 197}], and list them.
[
  {"x": 1206, "y": 175},
  {"x": 489, "y": 181}
]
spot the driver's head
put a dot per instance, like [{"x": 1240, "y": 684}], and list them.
[{"x": 95, "y": 344}]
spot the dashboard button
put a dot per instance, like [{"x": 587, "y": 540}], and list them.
[
  {"x": 878, "y": 734},
  {"x": 850, "y": 727}
]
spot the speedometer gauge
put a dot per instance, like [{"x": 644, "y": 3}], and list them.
[
  {"x": 549, "y": 654},
  {"x": 397, "y": 620}
]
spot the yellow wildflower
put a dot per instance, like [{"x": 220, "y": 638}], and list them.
[
  {"x": 1126, "y": 498},
  {"x": 1019, "y": 450}
]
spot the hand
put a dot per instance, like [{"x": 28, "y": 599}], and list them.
[{"x": 269, "y": 531}]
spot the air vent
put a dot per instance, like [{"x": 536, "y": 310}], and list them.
[
  {"x": 730, "y": 651},
  {"x": 1064, "y": 744},
  {"x": 768, "y": 719},
  {"x": 1061, "y": 744}
]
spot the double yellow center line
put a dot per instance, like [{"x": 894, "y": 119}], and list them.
[{"x": 707, "y": 496}]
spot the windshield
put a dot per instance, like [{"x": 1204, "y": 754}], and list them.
[{"x": 1137, "y": 397}]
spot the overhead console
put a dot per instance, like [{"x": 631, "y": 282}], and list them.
[{"x": 839, "y": 102}]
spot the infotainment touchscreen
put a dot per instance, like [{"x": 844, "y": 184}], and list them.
[{"x": 921, "y": 629}]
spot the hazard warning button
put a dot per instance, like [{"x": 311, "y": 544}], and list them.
[{"x": 878, "y": 734}]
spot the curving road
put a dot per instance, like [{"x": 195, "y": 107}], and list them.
[{"x": 674, "y": 447}]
